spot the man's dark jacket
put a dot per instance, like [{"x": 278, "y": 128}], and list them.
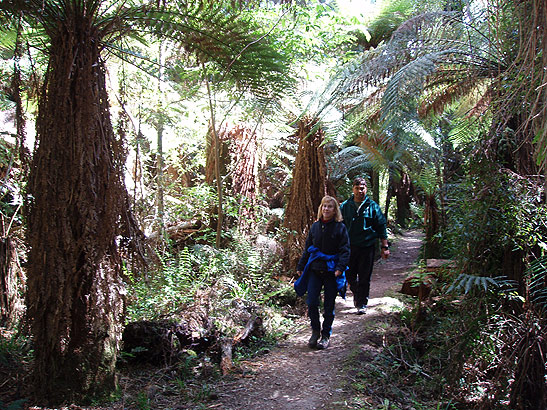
[{"x": 365, "y": 223}]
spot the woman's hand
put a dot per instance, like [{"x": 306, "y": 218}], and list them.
[
  {"x": 337, "y": 273},
  {"x": 299, "y": 273}
]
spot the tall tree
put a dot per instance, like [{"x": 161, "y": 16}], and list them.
[{"x": 76, "y": 183}]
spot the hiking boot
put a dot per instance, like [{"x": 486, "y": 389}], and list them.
[
  {"x": 362, "y": 310},
  {"x": 313, "y": 339},
  {"x": 323, "y": 343}
]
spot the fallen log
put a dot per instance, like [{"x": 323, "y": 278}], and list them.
[
  {"x": 162, "y": 342},
  {"x": 420, "y": 284},
  {"x": 253, "y": 327}
]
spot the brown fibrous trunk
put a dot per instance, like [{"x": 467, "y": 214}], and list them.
[
  {"x": 309, "y": 185},
  {"x": 77, "y": 197}
]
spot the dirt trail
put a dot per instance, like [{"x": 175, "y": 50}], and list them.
[{"x": 296, "y": 377}]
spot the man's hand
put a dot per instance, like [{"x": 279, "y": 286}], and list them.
[{"x": 384, "y": 248}]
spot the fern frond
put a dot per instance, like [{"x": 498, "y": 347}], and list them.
[
  {"x": 427, "y": 180},
  {"x": 467, "y": 283},
  {"x": 431, "y": 61},
  {"x": 464, "y": 131},
  {"x": 447, "y": 90},
  {"x": 349, "y": 161},
  {"x": 537, "y": 274}
]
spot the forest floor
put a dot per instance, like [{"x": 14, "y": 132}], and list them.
[
  {"x": 295, "y": 377},
  {"x": 291, "y": 375}
]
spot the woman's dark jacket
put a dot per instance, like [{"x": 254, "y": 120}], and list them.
[{"x": 330, "y": 238}]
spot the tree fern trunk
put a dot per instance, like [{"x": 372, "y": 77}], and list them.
[
  {"x": 403, "y": 196},
  {"x": 375, "y": 186},
  {"x": 245, "y": 178},
  {"x": 309, "y": 185},
  {"x": 77, "y": 195}
]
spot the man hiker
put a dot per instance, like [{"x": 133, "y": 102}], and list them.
[{"x": 365, "y": 223}]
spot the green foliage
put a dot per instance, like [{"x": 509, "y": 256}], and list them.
[
  {"x": 412, "y": 366},
  {"x": 537, "y": 284},
  {"x": 443, "y": 341},
  {"x": 465, "y": 283},
  {"x": 212, "y": 31},
  {"x": 10, "y": 191},
  {"x": 165, "y": 291},
  {"x": 239, "y": 273},
  {"x": 322, "y": 35},
  {"x": 389, "y": 19},
  {"x": 461, "y": 352},
  {"x": 427, "y": 180},
  {"x": 490, "y": 213},
  {"x": 433, "y": 60},
  {"x": 255, "y": 347},
  {"x": 194, "y": 203},
  {"x": 351, "y": 162},
  {"x": 143, "y": 402},
  {"x": 14, "y": 349}
]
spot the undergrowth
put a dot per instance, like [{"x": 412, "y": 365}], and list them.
[
  {"x": 465, "y": 352},
  {"x": 231, "y": 285},
  {"x": 402, "y": 367},
  {"x": 15, "y": 358},
  {"x": 241, "y": 273}
]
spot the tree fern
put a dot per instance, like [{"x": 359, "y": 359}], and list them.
[
  {"x": 430, "y": 53},
  {"x": 350, "y": 161}
]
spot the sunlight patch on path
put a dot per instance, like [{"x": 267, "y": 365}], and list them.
[{"x": 384, "y": 304}]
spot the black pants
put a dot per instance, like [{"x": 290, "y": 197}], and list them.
[{"x": 359, "y": 273}]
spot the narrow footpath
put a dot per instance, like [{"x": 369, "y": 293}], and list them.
[{"x": 295, "y": 377}]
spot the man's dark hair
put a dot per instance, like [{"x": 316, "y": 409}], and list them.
[{"x": 359, "y": 181}]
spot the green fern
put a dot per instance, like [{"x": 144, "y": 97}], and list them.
[
  {"x": 349, "y": 161},
  {"x": 410, "y": 64},
  {"x": 427, "y": 180},
  {"x": 537, "y": 274},
  {"x": 466, "y": 283}
]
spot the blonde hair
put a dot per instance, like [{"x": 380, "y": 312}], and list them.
[{"x": 338, "y": 214}]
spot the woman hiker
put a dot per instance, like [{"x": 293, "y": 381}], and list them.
[{"x": 322, "y": 266}]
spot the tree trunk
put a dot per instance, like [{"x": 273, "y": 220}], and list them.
[
  {"x": 245, "y": 178},
  {"x": 160, "y": 183},
  {"x": 390, "y": 193},
  {"x": 77, "y": 196},
  {"x": 375, "y": 178},
  {"x": 309, "y": 185},
  {"x": 403, "y": 196},
  {"x": 12, "y": 282},
  {"x": 12, "y": 279},
  {"x": 431, "y": 223}
]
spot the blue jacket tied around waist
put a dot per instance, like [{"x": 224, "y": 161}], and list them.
[{"x": 301, "y": 285}]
